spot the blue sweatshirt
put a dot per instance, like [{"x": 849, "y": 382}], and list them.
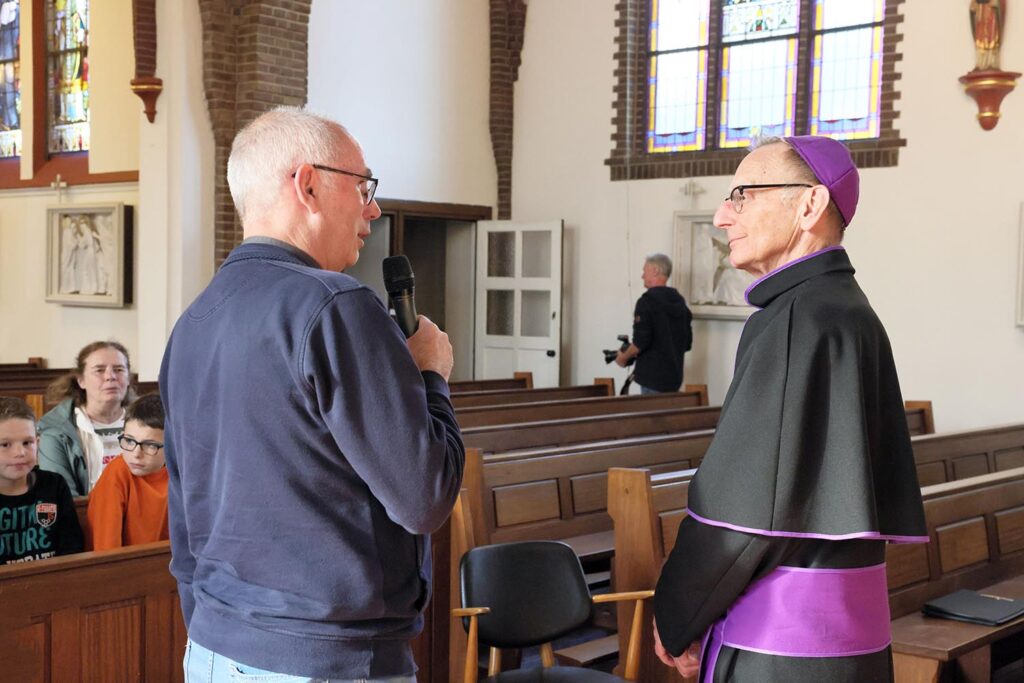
[{"x": 308, "y": 459}]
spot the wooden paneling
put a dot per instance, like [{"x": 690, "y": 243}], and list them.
[
  {"x": 523, "y": 503},
  {"x": 970, "y": 466},
  {"x": 589, "y": 493},
  {"x": 92, "y": 617},
  {"x": 112, "y": 641},
  {"x": 1009, "y": 458},
  {"x": 906, "y": 564},
  {"x": 1010, "y": 529},
  {"x": 931, "y": 473},
  {"x": 962, "y": 544}
]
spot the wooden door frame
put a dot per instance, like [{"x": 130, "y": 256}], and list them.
[{"x": 400, "y": 210}]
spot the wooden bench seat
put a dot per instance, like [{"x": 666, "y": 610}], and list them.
[{"x": 477, "y": 399}]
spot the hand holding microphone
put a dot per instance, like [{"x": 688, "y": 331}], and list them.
[{"x": 428, "y": 345}]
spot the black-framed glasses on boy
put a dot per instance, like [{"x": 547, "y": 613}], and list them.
[
  {"x": 148, "y": 447},
  {"x": 737, "y": 196},
  {"x": 371, "y": 183}
]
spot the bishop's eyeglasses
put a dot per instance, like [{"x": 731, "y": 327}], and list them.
[{"x": 737, "y": 196}]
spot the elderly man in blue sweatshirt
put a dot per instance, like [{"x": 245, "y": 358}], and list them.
[{"x": 311, "y": 448}]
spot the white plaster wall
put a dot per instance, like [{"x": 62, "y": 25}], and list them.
[
  {"x": 29, "y": 326},
  {"x": 935, "y": 239},
  {"x": 113, "y": 107},
  {"x": 411, "y": 81}
]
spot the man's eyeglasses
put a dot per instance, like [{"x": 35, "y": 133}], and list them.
[
  {"x": 737, "y": 196},
  {"x": 148, "y": 447},
  {"x": 368, "y": 190}
]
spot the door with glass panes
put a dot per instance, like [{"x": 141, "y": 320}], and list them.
[{"x": 519, "y": 300}]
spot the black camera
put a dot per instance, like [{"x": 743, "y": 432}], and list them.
[{"x": 610, "y": 355}]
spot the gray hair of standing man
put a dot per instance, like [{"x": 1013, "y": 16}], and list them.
[
  {"x": 269, "y": 149},
  {"x": 661, "y": 262}
]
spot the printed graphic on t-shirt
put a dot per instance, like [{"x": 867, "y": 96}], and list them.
[{"x": 24, "y": 532}]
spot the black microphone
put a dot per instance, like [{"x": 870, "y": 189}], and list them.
[{"x": 401, "y": 285}]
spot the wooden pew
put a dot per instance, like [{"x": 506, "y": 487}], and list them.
[
  {"x": 33, "y": 362},
  {"x": 976, "y": 527},
  {"x": 512, "y": 437},
  {"x": 519, "y": 380},
  {"x": 478, "y": 416},
  {"x": 957, "y": 455},
  {"x": 469, "y": 399},
  {"x": 108, "y": 616}
]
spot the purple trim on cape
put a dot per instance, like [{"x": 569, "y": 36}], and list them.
[
  {"x": 713, "y": 638},
  {"x": 755, "y": 283},
  {"x": 812, "y": 613},
  {"x": 870, "y": 535}
]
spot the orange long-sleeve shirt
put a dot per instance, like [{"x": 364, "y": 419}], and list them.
[{"x": 125, "y": 509}]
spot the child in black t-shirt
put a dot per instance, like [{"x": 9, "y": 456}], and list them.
[{"x": 37, "y": 515}]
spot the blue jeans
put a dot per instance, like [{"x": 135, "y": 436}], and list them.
[
  {"x": 644, "y": 391},
  {"x": 204, "y": 666}
]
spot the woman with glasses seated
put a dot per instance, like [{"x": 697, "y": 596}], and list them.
[
  {"x": 79, "y": 436},
  {"x": 129, "y": 503}
]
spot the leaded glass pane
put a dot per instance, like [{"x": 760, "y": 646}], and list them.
[
  {"x": 758, "y": 91},
  {"x": 67, "y": 71},
  {"x": 678, "y": 90},
  {"x": 752, "y": 19},
  {"x": 10, "y": 85},
  {"x": 840, "y": 13},
  {"x": 847, "y": 78},
  {"x": 679, "y": 24}
]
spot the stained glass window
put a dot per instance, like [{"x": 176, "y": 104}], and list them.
[
  {"x": 758, "y": 70},
  {"x": 678, "y": 75},
  {"x": 847, "y": 69},
  {"x": 10, "y": 85},
  {"x": 764, "y": 51},
  {"x": 67, "y": 74}
]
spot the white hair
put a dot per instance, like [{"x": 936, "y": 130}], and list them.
[{"x": 268, "y": 149}]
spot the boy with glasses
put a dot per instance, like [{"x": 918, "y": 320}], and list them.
[{"x": 128, "y": 505}]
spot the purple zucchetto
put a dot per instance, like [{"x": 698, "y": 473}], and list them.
[{"x": 834, "y": 168}]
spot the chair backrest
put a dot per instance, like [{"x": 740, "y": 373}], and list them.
[{"x": 535, "y": 589}]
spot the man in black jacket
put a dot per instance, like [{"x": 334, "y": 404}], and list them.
[{"x": 661, "y": 331}]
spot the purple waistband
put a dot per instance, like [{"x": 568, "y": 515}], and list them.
[
  {"x": 799, "y": 612},
  {"x": 856, "y": 535}
]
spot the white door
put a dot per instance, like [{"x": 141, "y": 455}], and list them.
[{"x": 519, "y": 300}]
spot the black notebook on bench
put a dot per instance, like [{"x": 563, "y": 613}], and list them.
[{"x": 975, "y": 607}]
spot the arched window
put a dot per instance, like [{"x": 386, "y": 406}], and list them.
[
  {"x": 10, "y": 79},
  {"x": 698, "y": 80},
  {"x": 67, "y": 75}
]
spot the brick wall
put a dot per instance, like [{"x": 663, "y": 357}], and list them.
[
  {"x": 629, "y": 159},
  {"x": 508, "y": 21},
  {"x": 254, "y": 58}
]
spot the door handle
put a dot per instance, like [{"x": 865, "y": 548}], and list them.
[{"x": 551, "y": 353}]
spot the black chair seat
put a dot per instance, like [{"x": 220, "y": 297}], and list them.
[{"x": 556, "y": 674}]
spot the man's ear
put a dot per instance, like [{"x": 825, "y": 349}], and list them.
[
  {"x": 305, "y": 188},
  {"x": 814, "y": 206}
]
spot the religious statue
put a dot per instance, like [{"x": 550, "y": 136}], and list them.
[{"x": 987, "y": 18}]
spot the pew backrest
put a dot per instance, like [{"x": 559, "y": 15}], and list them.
[
  {"x": 500, "y": 397},
  {"x": 958, "y": 455},
  {"x": 519, "y": 380},
  {"x": 103, "y": 616},
  {"x": 477, "y": 416}
]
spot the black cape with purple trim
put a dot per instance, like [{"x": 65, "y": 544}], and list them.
[
  {"x": 813, "y": 436},
  {"x": 811, "y": 466}
]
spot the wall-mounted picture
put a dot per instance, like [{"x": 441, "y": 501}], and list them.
[
  {"x": 713, "y": 288},
  {"x": 89, "y": 255}
]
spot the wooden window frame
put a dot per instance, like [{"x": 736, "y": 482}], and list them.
[
  {"x": 72, "y": 167},
  {"x": 630, "y": 160}
]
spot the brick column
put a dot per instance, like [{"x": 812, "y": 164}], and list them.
[
  {"x": 254, "y": 58},
  {"x": 508, "y": 22}
]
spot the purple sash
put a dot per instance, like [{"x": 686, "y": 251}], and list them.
[{"x": 799, "y": 612}]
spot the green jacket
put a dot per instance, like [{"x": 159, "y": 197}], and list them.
[{"x": 60, "y": 449}]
